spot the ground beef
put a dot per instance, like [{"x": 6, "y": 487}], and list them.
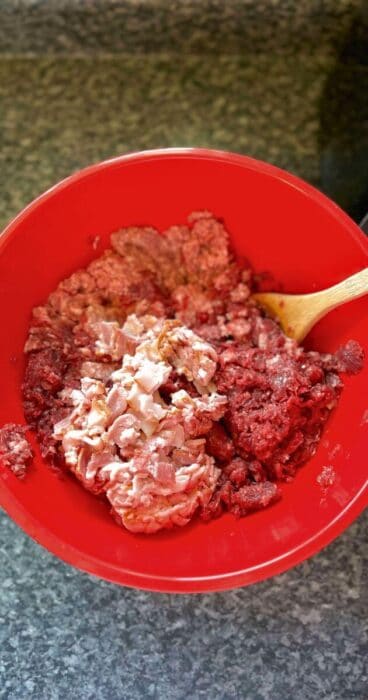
[
  {"x": 52, "y": 366},
  {"x": 220, "y": 444},
  {"x": 15, "y": 451},
  {"x": 279, "y": 400},
  {"x": 239, "y": 495},
  {"x": 350, "y": 358},
  {"x": 278, "y": 395}
]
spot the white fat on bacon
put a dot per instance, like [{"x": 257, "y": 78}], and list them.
[{"x": 121, "y": 438}]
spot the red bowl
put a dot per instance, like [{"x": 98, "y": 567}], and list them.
[{"x": 279, "y": 223}]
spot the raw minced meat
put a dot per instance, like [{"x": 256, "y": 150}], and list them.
[
  {"x": 239, "y": 406},
  {"x": 15, "y": 451}
]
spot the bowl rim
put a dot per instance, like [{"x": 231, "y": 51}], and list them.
[{"x": 192, "y": 584}]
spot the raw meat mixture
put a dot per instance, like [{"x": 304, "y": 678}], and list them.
[
  {"x": 15, "y": 450},
  {"x": 155, "y": 378}
]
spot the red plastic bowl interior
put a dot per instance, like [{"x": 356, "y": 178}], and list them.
[{"x": 279, "y": 223}]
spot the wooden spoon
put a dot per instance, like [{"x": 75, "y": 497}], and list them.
[{"x": 297, "y": 313}]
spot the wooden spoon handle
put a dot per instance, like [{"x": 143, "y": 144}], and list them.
[
  {"x": 351, "y": 288},
  {"x": 297, "y": 313}
]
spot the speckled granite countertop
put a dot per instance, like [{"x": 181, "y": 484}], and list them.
[
  {"x": 59, "y": 113},
  {"x": 300, "y": 636},
  {"x": 308, "y": 114},
  {"x": 65, "y": 26},
  {"x": 272, "y": 94}
]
